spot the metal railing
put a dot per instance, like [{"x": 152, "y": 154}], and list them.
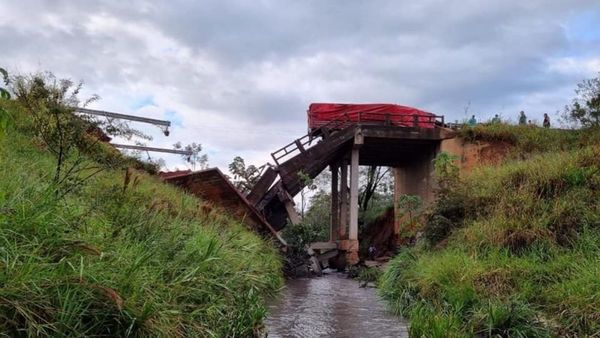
[
  {"x": 306, "y": 142},
  {"x": 391, "y": 119},
  {"x": 354, "y": 119}
]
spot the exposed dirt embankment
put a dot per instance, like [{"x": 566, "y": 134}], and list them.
[
  {"x": 380, "y": 233},
  {"x": 472, "y": 154}
]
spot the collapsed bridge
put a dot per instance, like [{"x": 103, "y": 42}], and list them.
[{"x": 341, "y": 137}]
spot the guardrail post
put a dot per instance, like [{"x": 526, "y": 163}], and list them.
[{"x": 299, "y": 146}]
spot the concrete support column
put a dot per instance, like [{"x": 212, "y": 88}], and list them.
[
  {"x": 292, "y": 214},
  {"x": 414, "y": 178},
  {"x": 343, "y": 201},
  {"x": 353, "y": 234},
  {"x": 335, "y": 204}
]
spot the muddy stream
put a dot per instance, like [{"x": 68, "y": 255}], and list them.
[{"x": 331, "y": 306}]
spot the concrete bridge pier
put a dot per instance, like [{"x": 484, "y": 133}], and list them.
[
  {"x": 414, "y": 177},
  {"x": 343, "y": 225},
  {"x": 334, "y": 226},
  {"x": 344, "y": 204},
  {"x": 351, "y": 246}
]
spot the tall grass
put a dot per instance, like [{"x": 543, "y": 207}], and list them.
[
  {"x": 110, "y": 259},
  {"x": 522, "y": 261},
  {"x": 531, "y": 139}
]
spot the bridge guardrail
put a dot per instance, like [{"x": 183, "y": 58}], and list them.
[{"x": 355, "y": 119}]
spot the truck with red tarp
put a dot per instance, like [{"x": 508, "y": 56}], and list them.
[{"x": 342, "y": 114}]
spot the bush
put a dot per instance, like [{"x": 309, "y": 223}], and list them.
[{"x": 507, "y": 319}]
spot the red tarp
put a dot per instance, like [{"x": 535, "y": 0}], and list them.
[{"x": 320, "y": 114}]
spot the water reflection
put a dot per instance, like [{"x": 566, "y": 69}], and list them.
[{"x": 331, "y": 306}]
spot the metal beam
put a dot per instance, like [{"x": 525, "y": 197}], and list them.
[
  {"x": 159, "y": 150},
  {"x": 123, "y": 116}
]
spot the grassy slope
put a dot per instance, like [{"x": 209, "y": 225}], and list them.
[
  {"x": 524, "y": 259},
  {"x": 144, "y": 261}
]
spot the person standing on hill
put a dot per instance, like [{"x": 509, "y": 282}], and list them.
[
  {"x": 472, "y": 121},
  {"x": 522, "y": 118},
  {"x": 496, "y": 119},
  {"x": 546, "y": 121}
]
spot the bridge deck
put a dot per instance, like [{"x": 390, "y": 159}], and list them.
[{"x": 212, "y": 186}]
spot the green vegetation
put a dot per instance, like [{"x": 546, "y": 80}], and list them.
[
  {"x": 369, "y": 274},
  {"x": 528, "y": 140},
  {"x": 119, "y": 253},
  {"x": 5, "y": 117},
  {"x": 585, "y": 108},
  {"x": 509, "y": 251}
]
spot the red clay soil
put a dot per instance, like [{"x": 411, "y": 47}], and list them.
[
  {"x": 380, "y": 233},
  {"x": 478, "y": 153}
]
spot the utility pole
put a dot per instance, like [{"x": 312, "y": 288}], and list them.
[
  {"x": 163, "y": 124},
  {"x": 160, "y": 150}
]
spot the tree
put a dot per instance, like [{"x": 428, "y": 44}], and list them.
[
  {"x": 377, "y": 178},
  {"x": 409, "y": 204},
  {"x": 449, "y": 210},
  {"x": 51, "y": 103},
  {"x": 195, "y": 158},
  {"x": 585, "y": 108},
  {"x": 244, "y": 178},
  {"x": 5, "y": 117},
  {"x": 446, "y": 173},
  {"x": 309, "y": 185},
  {"x": 71, "y": 138}
]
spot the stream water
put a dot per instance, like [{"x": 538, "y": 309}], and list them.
[{"x": 331, "y": 306}]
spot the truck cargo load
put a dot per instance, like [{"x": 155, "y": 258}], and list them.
[{"x": 321, "y": 114}]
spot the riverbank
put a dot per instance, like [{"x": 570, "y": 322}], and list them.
[
  {"x": 119, "y": 253},
  {"x": 511, "y": 250}
]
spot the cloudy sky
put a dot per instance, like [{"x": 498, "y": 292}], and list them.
[{"x": 238, "y": 76}]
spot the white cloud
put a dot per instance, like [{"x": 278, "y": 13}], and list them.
[{"x": 240, "y": 75}]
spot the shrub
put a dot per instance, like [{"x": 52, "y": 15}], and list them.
[
  {"x": 507, "y": 319},
  {"x": 5, "y": 117}
]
